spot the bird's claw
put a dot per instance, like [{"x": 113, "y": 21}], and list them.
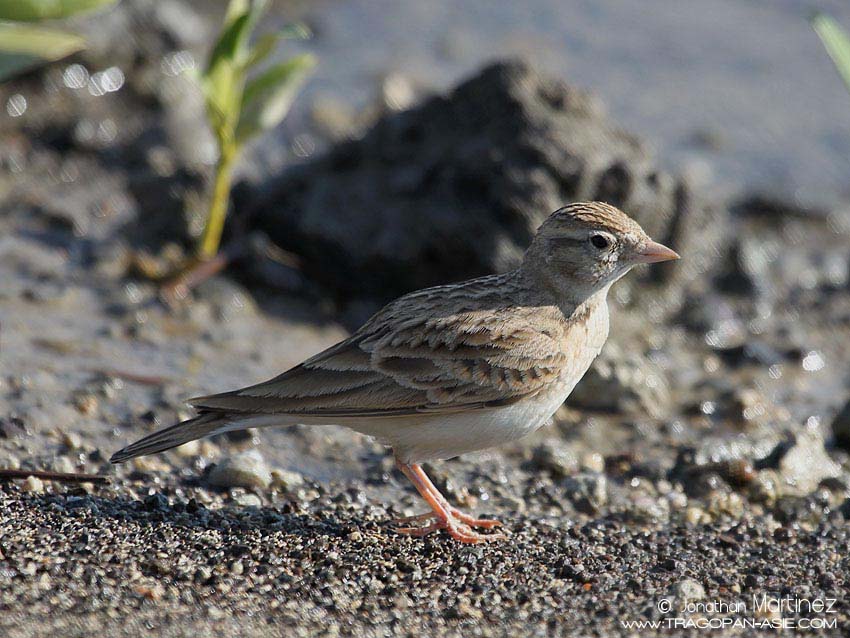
[
  {"x": 457, "y": 530},
  {"x": 471, "y": 521}
]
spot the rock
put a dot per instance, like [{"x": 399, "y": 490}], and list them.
[
  {"x": 9, "y": 461},
  {"x": 646, "y": 509},
  {"x": 714, "y": 316},
  {"x": 556, "y": 458},
  {"x": 228, "y": 300},
  {"x": 760, "y": 205},
  {"x": 71, "y": 440},
  {"x": 841, "y": 427},
  {"x": 588, "y": 491},
  {"x": 86, "y": 403},
  {"x": 286, "y": 480},
  {"x": 766, "y": 488},
  {"x": 725, "y": 502},
  {"x": 456, "y": 186},
  {"x": 739, "y": 275},
  {"x": 695, "y": 516},
  {"x": 246, "y": 469},
  {"x": 63, "y": 464},
  {"x": 685, "y": 591},
  {"x": 248, "y": 500},
  {"x": 12, "y": 427},
  {"x": 150, "y": 464},
  {"x": 188, "y": 450},
  {"x": 622, "y": 382},
  {"x": 202, "y": 575},
  {"x": 593, "y": 462},
  {"x": 804, "y": 462},
  {"x": 156, "y": 502},
  {"x": 33, "y": 485}
]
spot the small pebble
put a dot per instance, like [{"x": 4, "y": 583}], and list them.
[
  {"x": 286, "y": 480},
  {"x": 71, "y": 440},
  {"x": 246, "y": 469},
  {"x": 33, "y": 485}
]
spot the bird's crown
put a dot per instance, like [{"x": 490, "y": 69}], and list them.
[{"x": 597, "y": 215}]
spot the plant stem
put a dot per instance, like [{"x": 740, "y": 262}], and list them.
[
  {"x": 67, "y": 477},
  {"x": 211, "y": 238}
]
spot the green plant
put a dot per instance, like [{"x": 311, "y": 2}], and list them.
[
  {"x": 238, "y": 106},
  {"x": 23, "y": 47},
  {"x": 836, "y": 42}
]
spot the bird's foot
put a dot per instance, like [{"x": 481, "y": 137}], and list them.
[
  {"x": 471, "y": 521},
  {"x": 486, "y": 523},
  {"x": 456, "y": 528},
  {"x": 444, "y": 516}
]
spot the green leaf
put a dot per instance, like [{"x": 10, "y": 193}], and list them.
[
  {"x": 33, "y": 10},
  {"x": 239, "y": 22},
  {"x": 836, "y": 42},
  {"x": 23, "y": 47},
  {"x": 267, "y": 97},
  {"x": 233, "y": 38},
  {"x": 235, "y": 8},
  {"x": 223, "y": 80},
  {"x": 266, "y": 43},
  {"x": 262, "y": 49},
  {"x": 295, "y": 31}
]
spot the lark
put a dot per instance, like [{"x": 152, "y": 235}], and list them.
[{"x": 452, "y": 369}]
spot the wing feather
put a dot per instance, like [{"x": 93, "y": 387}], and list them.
[{"x": 417, "y": 364}]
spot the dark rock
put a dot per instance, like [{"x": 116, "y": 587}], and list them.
[
  {"x": 714, "y": 316},
  {"x": 767, "y": 207},
  {"x": 841, "y": 427},
  {"x": 753, "y": 352},
  {"x": 737, "y": 276},
  {"x": 12, "y": 427},
  {"x": 456, "y": 187},
  {"x": 156, "y": 502}
]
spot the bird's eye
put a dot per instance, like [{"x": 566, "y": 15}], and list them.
[{"x": 600, "y": 241}]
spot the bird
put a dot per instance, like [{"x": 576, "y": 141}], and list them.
[{"x": 454, "y": 368}]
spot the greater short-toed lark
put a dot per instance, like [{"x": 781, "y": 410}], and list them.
[{"x": 454, "y": 368}]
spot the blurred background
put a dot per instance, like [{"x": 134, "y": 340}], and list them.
[
  {"x": 424, "y": 146},
  {"x": 739, "y": 92},
  {"x": 406, "y": 144},
  {"x": 722, "y": 128}
]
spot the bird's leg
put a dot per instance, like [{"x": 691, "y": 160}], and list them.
[
  {"x": 449, "y": 518},
  {"x": 432, "y": 489},
  {"x": 486, "y": 523}
]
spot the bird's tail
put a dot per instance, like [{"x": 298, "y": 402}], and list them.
[{"x": 205, "y": 424}]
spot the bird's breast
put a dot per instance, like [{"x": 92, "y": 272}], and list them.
[{"x": 585, "y": 334}]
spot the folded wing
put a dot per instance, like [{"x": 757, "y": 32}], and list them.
[{"x": 416, "y": 365}]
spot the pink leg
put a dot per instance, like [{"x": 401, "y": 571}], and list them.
[{"x": 449, "y": 518}]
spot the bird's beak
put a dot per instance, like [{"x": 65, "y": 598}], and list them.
[{"x": 652, "y": 252}]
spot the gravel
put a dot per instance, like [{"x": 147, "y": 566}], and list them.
[{"x": 170, "y": 565}]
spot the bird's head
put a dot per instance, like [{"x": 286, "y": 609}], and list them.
[{"x": 585, "y": 247}]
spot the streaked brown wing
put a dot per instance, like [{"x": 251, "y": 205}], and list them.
[{"x": 431, "y": 365}]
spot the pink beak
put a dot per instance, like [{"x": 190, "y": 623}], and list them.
[{"x": 652, "y": 252}]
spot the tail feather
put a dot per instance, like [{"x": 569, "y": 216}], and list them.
[{"x": 202, "y": 425}]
